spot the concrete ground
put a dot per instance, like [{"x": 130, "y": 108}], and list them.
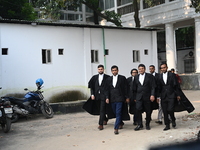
[{"x": 78, "y": 131}]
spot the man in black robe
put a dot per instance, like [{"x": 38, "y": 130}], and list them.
[
  {"x": 169, "y": 92},
  {"x": 144, "y": 94},
  {"x": 132, "y": 104},
  {"x": 97, "y": 87},
  {"x": 117, "y": 95},
  {"x": 157, "y": 103}
]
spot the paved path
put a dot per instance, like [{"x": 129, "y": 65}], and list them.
[{"x": 78, "y": 131}]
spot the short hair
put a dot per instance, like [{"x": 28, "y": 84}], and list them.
[
  {"x": 172, "y": 69},
  {"x": 114, "y": 66},
  {"x": 134, "y": 70},
  {"x": 163, "y": 64},
  {"x": 152, "y": 66},
  {"x": 99, "y": 66},
  {"x": 142, "y": 65}
]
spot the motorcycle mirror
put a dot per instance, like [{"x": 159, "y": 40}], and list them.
[
  {"x": 0, "y": 87},
  {"x": 26, "y": 89}
]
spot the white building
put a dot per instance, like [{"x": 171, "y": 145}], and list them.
[
  {"x": 65, "y": 56},
  {"x": 167, "y": 14}
]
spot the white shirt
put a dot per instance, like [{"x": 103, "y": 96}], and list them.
[
  {"x": 141, "y": 78},
  {"x": 132, "y": 78},
  {"x": 100, "y": 78},
  {"x": 115, "y": 80},
  {"x": 154, "y": 74},
  {"x": 165, "y": 77}
]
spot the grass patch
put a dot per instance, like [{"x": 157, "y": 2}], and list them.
[{"x": 67, "y": 96}]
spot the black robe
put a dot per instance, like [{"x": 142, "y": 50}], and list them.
[
  {"x": 184, "y": 104},
  {"x": 91, "y": 106}
]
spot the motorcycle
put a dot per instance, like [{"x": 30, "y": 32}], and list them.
[
  {"x": 5, "y": 114},
  {"x": 32, "y": 103}
]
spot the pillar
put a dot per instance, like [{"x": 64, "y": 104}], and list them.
[
  {"x": 170, "y": 46},
  {"x": 115, "y": 5},
  {"x": 197, "y": 45},
  {"x": 141, "y": 4}
]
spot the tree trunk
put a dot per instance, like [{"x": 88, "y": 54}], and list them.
[
  {"x": 96, "y": 18},
  {"x": 136, "y": 15}
]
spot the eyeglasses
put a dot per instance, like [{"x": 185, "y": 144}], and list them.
[{"x": 134, "y": 72}]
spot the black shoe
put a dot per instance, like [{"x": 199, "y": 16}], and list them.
[
  {"x": 148, "y": 127},
  {"x": 121, "y": 125},
  {"x": 138, "y": 127},
  {"x": 105, "y": 122},
  {"x": 116, "y": 132},
  {"x": 173, "y": 124},
  {"x": 100, "y": 127},
  {"x": 158, "y": 122},
  {"x": 166, "y": 128}
]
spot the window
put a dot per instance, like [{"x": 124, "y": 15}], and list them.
[
  {"x": 136, "y": 56},
  {"x": 4, "y": 51},
  {"x": 106, "y": 52},
  {"x": 94, "y": 56},
  {"x": 125, "y": 10},
  {"x": 46, "y": 56},
  {"x": 189, "y": 65},
  {"x": 109, "y": 4},
  {"x": 60, "y": 51},
  {"x": 122, "y": 2},
  {"x": 146, "y": 52}
]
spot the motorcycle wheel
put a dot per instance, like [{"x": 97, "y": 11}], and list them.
[
  {"x": 47, "y": 110},
  {"x": 6, "y": 126},
  {"x": 14, "y": 118}
]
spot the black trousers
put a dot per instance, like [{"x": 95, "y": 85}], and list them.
[
  {"x": 168, "y": 109},
  {"x": 143, "y": 106},
  {"x": 101, "y": 102}
]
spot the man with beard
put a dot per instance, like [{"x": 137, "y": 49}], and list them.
[
  {"x": 144, "y": 92},
  {"x": 169, "y": 92},
  {"x": 97, "y": 87}
]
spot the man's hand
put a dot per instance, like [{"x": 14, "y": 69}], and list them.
[
  {"x": 92, "y": 97},
  {"x": 158, "y": 100},
  {"x": 127, "y": 100},
  {"x": 178, "y": 98},
  {"x": 152, "y": 98},
  {"x": 107, "y": 101}
]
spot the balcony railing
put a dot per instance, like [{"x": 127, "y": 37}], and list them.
[{"x": 152, "y": 3}]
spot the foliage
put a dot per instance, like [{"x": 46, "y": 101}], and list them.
[
  {"x": 195, "y": 4},
  {"x": 20, "y": 9},
  {"x": 110, "y": 16},
  {"x": 51, "y": 8},
  {"x": 185, "y": 37},
  {"x": 68, "y": 96}
]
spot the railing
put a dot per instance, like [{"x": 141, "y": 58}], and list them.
[{"x": 152, "y": 3}]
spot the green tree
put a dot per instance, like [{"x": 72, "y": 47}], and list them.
[
  {"x": 195, "y": 4},
  {"x": 49, "y": 9},
  {"x": 136, "y": 14},
  {"x": 17, "y": 9},
  {"x": 52, "y": 7}
]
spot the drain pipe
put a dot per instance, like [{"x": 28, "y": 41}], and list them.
[{"x": 104, "y": 48}]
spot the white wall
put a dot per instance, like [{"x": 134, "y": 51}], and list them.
[
  {"x": 23, "y": 64},
  {"x": 121, "y": 43}
]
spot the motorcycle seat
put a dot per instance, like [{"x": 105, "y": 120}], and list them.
[{"x": 20, "y": 99}]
